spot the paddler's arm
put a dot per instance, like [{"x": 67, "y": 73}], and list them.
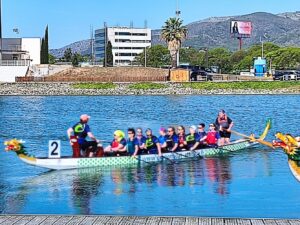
[
  {"x": 136, "y": 147},
  {"x": 230, "y": 126},
  {"x": 158, "y": 148},
  {"x": 91, "y": 136},
  {"x": 69, "y": 132},
  {"x": 195, "y": 146},
  {"x": 175, "y": 147}
]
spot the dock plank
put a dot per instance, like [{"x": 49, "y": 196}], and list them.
[
  {"x": 165, "y": 220},
  {"x": 243, "y": 222},
  {"x": 282, "y": 222},
  {"x": 257, "y": 222},
  {"x": 270, "y": 222},
  {"x": 114, "y": 220},
  {"x": 63, "y": 220},
  {"x": 127, "y": 220},
  {"x": 102, "y": 220},
  {"x": 196, "y": 221},
  {"x": 24, "y": 220},
  {"x": 51, "y": 220},
  {"x": 11, "y": 220},
  {"x": 37, "y": 220},
  {"x": 76, "y": 220},
  {"x": 294, "y": 222},
  {"x": 153, "y": 221},
  {"x": 178, "y": 220},
  {"x": 230, "y": 221},
  {"x": 218, "y": 221},
  {"x": 140, "y": 221},
  {"x": 88, "y": 220}
]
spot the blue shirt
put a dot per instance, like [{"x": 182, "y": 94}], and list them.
[
  {"x": 131, "y": 145},
  {"x": 140, "y": 141},
  {"x": 162, "y": 139},
  {"x": 202, "y": 134},
  {"x": 81, "y": 130}
]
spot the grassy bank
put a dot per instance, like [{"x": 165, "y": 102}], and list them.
[
  {"x": 255, "y": 85},
  {"x": 95, "y": 86},
  {"x": 147, "y": 86}
]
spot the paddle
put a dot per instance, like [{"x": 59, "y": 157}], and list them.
[
  {"x": 172, "y": 161},
  {"x": 253, "y": 139},
  {"x": 141, "y": 160}
]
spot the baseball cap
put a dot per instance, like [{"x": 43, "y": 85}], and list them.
[
  {"x": 84, "y": 117},
  {"x": 193, "y": 127}
]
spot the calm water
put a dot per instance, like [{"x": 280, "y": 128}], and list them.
[{"x": 253, "y": 183}]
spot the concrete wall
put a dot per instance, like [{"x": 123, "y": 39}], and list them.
[
  {"x": 33, "y": 47},
  {"x": 8, "y": 73}
]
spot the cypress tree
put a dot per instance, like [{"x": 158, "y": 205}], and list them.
[
  {"x": 109, "y": 55},
  {"x": 46, "y": 50},
  {"x": 42, "y": 51}
]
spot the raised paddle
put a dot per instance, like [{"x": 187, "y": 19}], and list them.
[{"x": 253, "y": 139}]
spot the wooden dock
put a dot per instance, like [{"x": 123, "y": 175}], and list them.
[{"x": 127, "y": 220}]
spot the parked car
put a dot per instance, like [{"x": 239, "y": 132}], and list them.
[{"x": 286, "y": 75}]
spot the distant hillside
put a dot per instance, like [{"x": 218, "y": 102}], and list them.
[
  {"x": 282, "y": 29},
  {"x": 82, "y": 47}
]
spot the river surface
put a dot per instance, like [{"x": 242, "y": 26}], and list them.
[{"x": 255, "y": 182}]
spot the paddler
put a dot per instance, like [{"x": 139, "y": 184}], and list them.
[
  {"x": 224, "y": 125},
  {"x": 81, "y": 130},
  {"x": 118, "y": 145}
]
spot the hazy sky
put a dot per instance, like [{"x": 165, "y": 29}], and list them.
[{"x": 70, "y": 20}]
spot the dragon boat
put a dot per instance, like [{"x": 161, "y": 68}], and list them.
[
  {"x": 69, "y": 162},
  {"x": 289, "y": 144}
]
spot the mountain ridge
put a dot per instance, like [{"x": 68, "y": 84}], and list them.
[{"x": 282, "y": 29}]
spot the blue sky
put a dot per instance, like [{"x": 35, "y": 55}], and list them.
[{"x": 70, "y": 20}]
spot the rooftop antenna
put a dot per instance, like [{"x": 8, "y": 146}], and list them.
[
  {"x": 145, "y": 24},
  {"x": 178, "y": 12},
  {"x": 131, "y": 24}
]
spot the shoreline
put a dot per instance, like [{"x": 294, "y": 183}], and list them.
[{"x": 66, "y": 89}]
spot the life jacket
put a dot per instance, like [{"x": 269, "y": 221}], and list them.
[
  {"x": 170, "y": 141},
  {"x": 190, "y": 139},
  {"x": 79, "y": 130},
  {"x": 150, "y": 143},
  {"x": 223, "y": 122},
  {"x": 181, "y": 139},
  {"x": 115, "y": 144},
  {"x": 211, "y": 138}
]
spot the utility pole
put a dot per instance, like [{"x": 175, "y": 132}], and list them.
[
  {"x": 178, "y": 12},
  {"x": 262, "y": 47},
  {"x": 1, "y": 32}
]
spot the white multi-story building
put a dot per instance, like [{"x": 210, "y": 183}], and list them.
[
  {"x": 17, "y": 55},
  {"x": 126, "y": 42}
]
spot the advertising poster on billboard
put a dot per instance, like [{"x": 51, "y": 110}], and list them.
[{"x": 241, "y": 28}]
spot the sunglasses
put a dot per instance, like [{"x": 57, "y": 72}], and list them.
[
  {"x": 200, "y": 127},
  {"x": 130, "y": 133},
  {"x": 170, "y": 131}
]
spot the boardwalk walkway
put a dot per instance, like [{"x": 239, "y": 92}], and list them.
[{"x": 127, "y": 220}]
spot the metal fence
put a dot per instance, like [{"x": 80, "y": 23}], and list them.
[{"x": 14, "y": 62}]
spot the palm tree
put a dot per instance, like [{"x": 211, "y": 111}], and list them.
[{"x": 174, "y": 33}]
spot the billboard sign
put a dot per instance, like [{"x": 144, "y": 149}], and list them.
[{"x": 241, "y": 28}]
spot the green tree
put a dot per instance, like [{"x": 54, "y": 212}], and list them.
[
  {"x": 220, "y": 57},
  {"x": 189, "y": 55},
  {"x": 52, "y": 59},
  {"x": 173, "y": 32},
  {"x": 285, "y": 58},
  {"x": 68, "y": 55},
  {"x": 157, "y": 56},
  {"x": 76, "y": 59},
  {"x": 109, "y": 55}
]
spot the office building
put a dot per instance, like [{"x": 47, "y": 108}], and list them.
[{"x": 126, "y": 42}]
